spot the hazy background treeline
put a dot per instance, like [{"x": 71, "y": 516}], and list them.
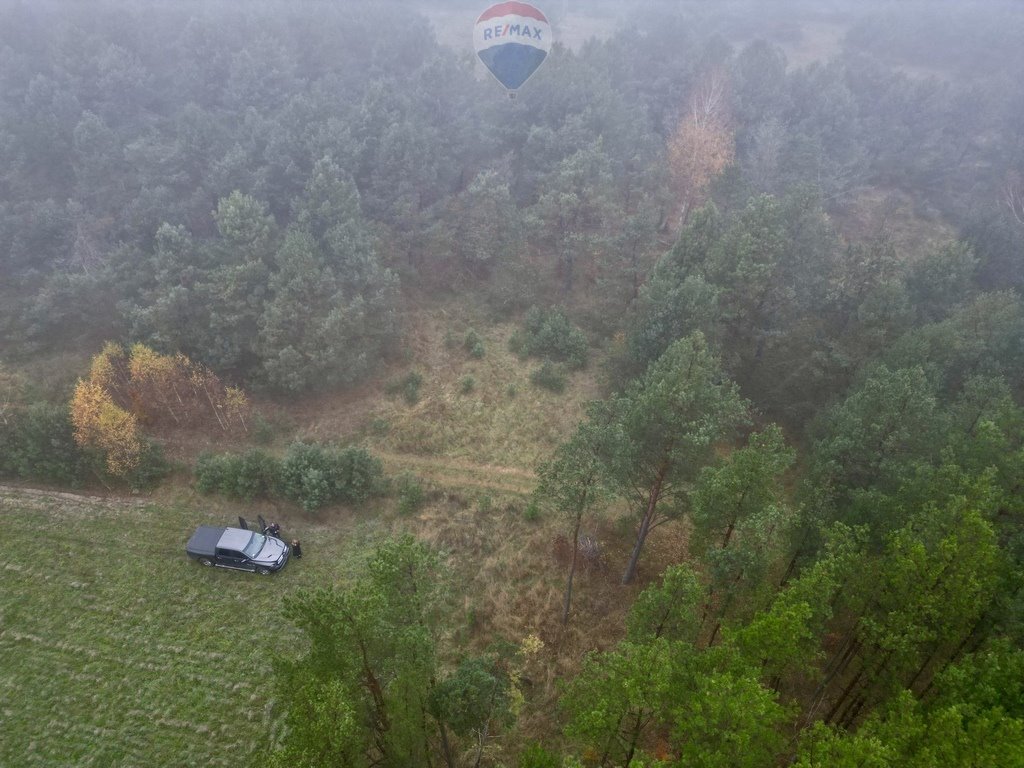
[{"x": 249, "y": 184}]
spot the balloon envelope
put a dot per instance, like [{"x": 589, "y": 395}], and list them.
[{"x": 512, "y": 40}]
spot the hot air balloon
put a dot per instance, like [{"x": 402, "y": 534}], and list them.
[{"x": 512, "y": 40}]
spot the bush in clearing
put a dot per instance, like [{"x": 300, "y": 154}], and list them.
[
  {"x": 549, "y": 335},
  {"x": 314, "y": 476},
  {"x": 247, "y": 476},
  {"x": 38, "y": 444},
  {"x": 474, "y": 344},
  {"x": 536, "y": 756},
  {"x": 408, "y": 386},
  {"x": 411, "y": 494},
  {"x": 532, "y": 511},
  {"x": 151, "y": 469},
  {"x": 309, "y": 474},
  {"x": 550, "y": 377},
  {"x": 262, "y": 430}
]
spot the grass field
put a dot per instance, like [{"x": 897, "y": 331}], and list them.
[{"x": 120, "y": 651}]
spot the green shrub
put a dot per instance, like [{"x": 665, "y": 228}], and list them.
[
  {"x": 474, "y": 344},
  {"x": 38, "y": 444},
  {"x": 549, "y": 376},
  {"x": 314, "y": 476},
  {"x": 511, "y": 390},
  {"x": 256, "y": 476},
  {"x": 411, "y": 495},
  {"x": 407, "y": 386},
  {"x": 549, "y": 335},
  {"x": 467, "y": 384},
  {"x": 247, "y": 476},
  {"x": 360, "y": 475},
  {"x": 517, "y": 344},
  {"x": 305, "y": 474},
  {"x": 210, "y": 472},
  {"x": 532, "y": 511},
  {"x": 153, "y": 467}
]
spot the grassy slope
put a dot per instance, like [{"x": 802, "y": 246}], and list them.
[
  {"x": 492, "y": 435},
  {"x": 505, "y": 420}
]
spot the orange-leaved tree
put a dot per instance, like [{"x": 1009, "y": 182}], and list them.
[{"x": 702, "y": 145}]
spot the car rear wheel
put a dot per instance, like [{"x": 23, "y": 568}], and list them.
[
  {"x": 262, "y": 571},
  {"x": 206, "y": 561}
]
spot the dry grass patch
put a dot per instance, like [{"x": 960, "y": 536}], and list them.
[
  {"x": 510, "y": 585},
  {"x": 504, "y": 421},
  {"x": 879, "y": 212}
]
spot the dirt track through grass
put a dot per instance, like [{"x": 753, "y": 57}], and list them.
[{"x": 459, "y": 474}]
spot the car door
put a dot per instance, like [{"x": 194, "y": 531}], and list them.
[{"x": 229, "y": 558}]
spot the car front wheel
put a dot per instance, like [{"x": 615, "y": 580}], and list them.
[
  {"x": 262, "y": 571},
  {"x": 206, "y": 561}
]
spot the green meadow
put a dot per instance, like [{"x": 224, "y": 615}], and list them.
[{"x": 119, "y": 650}]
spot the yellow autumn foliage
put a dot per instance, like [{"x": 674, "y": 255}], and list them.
[
  {"x": 146, "y": 364},
  {"x": 155, "y": 388},
  {"x": 102, "y": 425},
  {"x": 702, "y": 145},
  {"x": 107, "y": 367},
  {"x": 698, "y": 152}
]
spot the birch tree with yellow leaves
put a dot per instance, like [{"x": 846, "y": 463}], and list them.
[
  {"x": 127, "y": 388},
  {"x": 702, "y": 145},
  {"x": 101, "y": 425}
]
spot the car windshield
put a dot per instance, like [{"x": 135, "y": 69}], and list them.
[{"x": 255, "y": 545}]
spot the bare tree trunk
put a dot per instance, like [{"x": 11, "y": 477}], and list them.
[
  {"x": 854, "y": 711},
  {"x": 379, "y": 716},
  {"x": 213, "y": 407},
  {"x": 481, "y": 741},
  {"x": 833, "y": 669},
  {"x": 567, "y": 602},
  {"x": 634, "y": 558},
  {"x": 791, "y": 568},
  {"x": 728, "y": 533},
  {"x": 924, "y": 665},
  {"x": 714, "y": 633},
  {"x": 611, "y": 740}
]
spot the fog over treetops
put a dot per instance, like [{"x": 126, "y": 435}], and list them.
[{"x": 668, "y": 414}]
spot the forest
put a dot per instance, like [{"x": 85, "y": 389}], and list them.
[{"x": 670, "y": 414}]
